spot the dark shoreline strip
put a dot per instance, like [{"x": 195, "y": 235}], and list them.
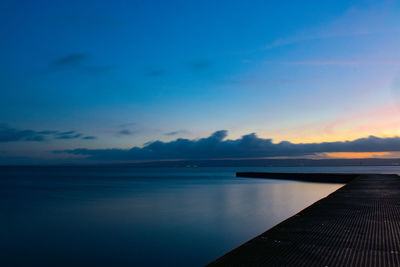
[
  {"x": 357, "y": 225},
  {"x": 341, "y": 178}
]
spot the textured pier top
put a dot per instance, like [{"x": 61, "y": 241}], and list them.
[{"x": 357, "y": 225}]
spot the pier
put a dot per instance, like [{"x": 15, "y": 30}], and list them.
[{"x": 357, "y": 225}]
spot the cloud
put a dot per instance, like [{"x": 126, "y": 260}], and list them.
[
  {"x": 125, "y": 132},
  {"x": 8, "y": 134},
  {"x": 71, "y": 59},
  {"x": 344, "y": 62},
  {"x": 68, "y": 136},
  {"x": 172, "y": 133},
  {"x": 66, "y": 133},
  {"x": 216, "y": 146},
  {"x": 199, "y": 64},
  {"x": 78, "y": 61},
  {"x": 14, "y": 135},
  {"x": 90, "y": 137},
  {"x": 47, "y": 132},
  {"x": 176, "y": 132},
  {"x": 379, "y": 19}
]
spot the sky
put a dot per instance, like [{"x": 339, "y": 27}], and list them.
[{"x": 147, "y": 80}]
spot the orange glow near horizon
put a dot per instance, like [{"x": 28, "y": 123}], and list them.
[
  {"x": 358, "y": 155},
  {"x": 382, "y": 121}
]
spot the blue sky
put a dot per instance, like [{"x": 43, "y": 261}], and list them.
[{"x": 130, "y": 72}]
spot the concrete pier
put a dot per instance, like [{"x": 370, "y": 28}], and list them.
[{"x": 357, "y": 225}]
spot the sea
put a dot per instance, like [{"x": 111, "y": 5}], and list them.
[{"x": 129, "y": 216}]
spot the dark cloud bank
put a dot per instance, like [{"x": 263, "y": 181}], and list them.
[{"x": 248, "y": 146}]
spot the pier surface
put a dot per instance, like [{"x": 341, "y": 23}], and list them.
[{"x": 357, "y": 225}]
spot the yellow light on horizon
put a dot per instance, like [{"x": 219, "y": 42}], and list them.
[{"x": 358, "y": 155}]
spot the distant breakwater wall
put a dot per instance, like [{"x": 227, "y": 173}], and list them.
[{"x": 306, "y": 177}]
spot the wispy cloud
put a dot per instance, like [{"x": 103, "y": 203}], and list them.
[
  {"x": 357, "y": 21},
  {"x": 341, "y": 62},
  {"x": 177, "y": 132},
  {"x": 8, "y": 134},
  {"x": 90, "y": 137},
  {"x": 78, "y": 61},
  {"x": 126, "y": 132},
  {"x": 47, "y": 132},
  {"x": 13, "y": 135},
  {"x": 68, "y": 135},
  {"x": 71, "y": 59}
]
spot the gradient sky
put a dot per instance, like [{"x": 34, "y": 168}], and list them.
[{"x": 119, "y": 74}]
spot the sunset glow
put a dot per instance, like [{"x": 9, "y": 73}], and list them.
[
  {"x": 358, "y": 155},
  {"x": 139, "y": 72}
]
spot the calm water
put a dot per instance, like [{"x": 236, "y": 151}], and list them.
[{"x": 143, "y": 217}]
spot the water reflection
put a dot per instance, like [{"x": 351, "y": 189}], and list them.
[{"x": 139, "y": 217}]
